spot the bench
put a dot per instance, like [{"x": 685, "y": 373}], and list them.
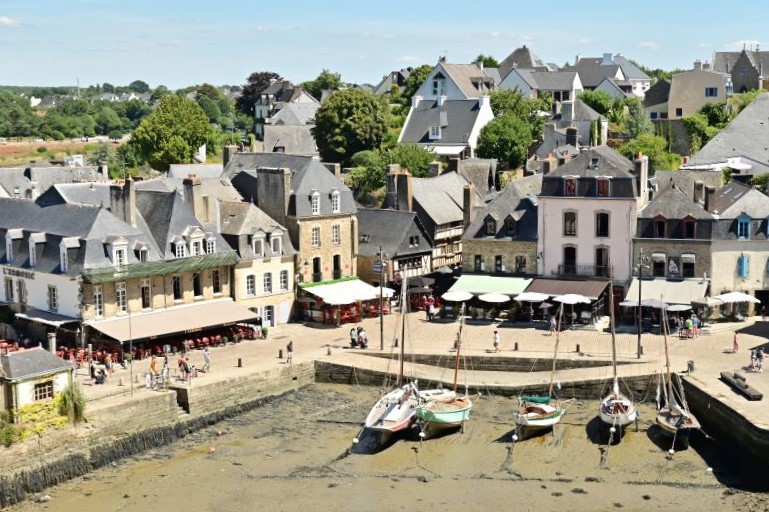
[{"x": 739, "y": 383}]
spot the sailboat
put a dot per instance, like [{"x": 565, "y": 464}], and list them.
[
  {"x": 673, "y": 415},
  {"x": 441, "y": 409},
  {"x": 541, "y": 412},
  {"x": 395, "y": 410},
  {"x": 616, "y": 409}
]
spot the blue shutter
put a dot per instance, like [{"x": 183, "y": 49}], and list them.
[{"x": 742, "y": 266}]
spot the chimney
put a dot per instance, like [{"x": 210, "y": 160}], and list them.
[
  {"x": 706, "y": 66},
  {"x": 698, "y": 65},
  {"x": 571, "y": 136},
  {"x": 607, "y": 60},
  {"x": 567, "y": 111},
  {"x": 468, "y": 203},
  {"x": 453, "y": 165},
  {"x": 545, "y": 166},
  {"x": 391, "y": 199},
  {"x": 479, "y": 64},
  {"x": 129, "y": 201},
  {"x": 273, "y": 192},
  {"x": 116, "y": 201},
  {"x": 441, "y": 100},
  {"x": 641, "y": 172},
  {"x": 710, "y": 195},
  {"x": 193, "y": 196},
  {"x": 52, "y": 342},
  {"x": 206, "y": 208},
  {"x": 699, "y": 189},
  {"x": 336, "y": 169},
  {"x": 434, "y": 169},
  {"x": 576, "y": 59},
  {"x": 227, "y": 154},
  {"x": 415, "y": 99},
  {"x": 405, "y": 192}
]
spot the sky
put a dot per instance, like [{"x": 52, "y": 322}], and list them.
[{"x": 177, "y": 43}]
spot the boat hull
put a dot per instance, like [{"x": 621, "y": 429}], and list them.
[
  {"x": 445, "y": 414},
  {"x": 394, "y": 411},
  {"x": 538, "y": 416},
  {"x": 617, "y": 411},
  {"x": 674, "y": 424}
]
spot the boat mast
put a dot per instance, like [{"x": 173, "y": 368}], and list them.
[
  {"x": 669, "y": 383},
  {"x": 613, "y": 337},
  {"x": 555, "y": 351},
  {"x": 404, "y": 302},
  {"x": 459, "y": 346}
]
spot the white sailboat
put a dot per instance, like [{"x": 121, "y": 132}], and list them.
[{"x": 616, "y": 409}]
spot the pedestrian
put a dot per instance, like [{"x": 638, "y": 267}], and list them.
[
  {"x": 496, "y": 341},
  {"x": 736, "y": 346},
  {"x": 362, "y": 338},
  {"x": 760, "y": 359},
  {"x": 186, "y": 370},
  {"x": 763, "y": 313},
  {"x": 695, "y": 326},
  {"x": 431, "y": 311},
  {"x": 154, "y": 366},
  {"x": 553, "y": 325},
  {"x": 206, "y": 361},
  {"x": 108, "y": 364},
  {"x": 290, "y": 352},
  {"x": 353, "y": 338}
]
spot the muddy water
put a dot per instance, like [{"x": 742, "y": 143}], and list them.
[{"x": 294, "y": 455}]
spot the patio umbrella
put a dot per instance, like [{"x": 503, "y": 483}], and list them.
[
  {"x": 444, "y": 270},
  {"x": 419, "y": 289},
  {"x": 421, "y": 281},
  {"x": 654, "y": 303},
  {"x": 306, "y": 300},
  {"x": 494, "y": 297},
  {"x": 629, "y": 303},
  {"x": 387, "y": 292},
  {"x": 545, "y": 305},
  {"x": 732, "y": 297},
  {"x": 679, "y": 307},
  {"x": 708, "y": 302},
  {"x": 572, "y": 298},
  {"x": 457, "y": 296},
  {"x": 8, "y": 332},
  {"x": 531, "y": 297}
]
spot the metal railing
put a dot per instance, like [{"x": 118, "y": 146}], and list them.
[{"x": 583, "y": 271}]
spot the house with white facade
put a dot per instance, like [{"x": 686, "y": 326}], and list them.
[
  {"x": 593, "y": 71},
  {"x": 30, "y": 376},
  {"x": 271, "y": 100},
  {"x": 456, "y": 82},
  {"x": 560, "y": 85}
]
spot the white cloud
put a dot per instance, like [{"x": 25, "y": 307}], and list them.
[
  {"x": 737, "y": 46},
  {"x": 409, "y": 59},
  {"x": 702, "y": 45},
  {"x": 7, "y": 21},
  {"x": 496, "y": 34},
  {"x": 585, "y": 40},
  {"x": 650, "y": 45}
]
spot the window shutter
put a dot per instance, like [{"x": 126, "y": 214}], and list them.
[{"x": 742, "y": 266}]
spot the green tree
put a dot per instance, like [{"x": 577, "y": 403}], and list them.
[
  {"x": 529, "y": 110},
  {"x": 636, "y": 122},
  {"x": 716, "y": 114},
  {"x": 617, "y": 111},
  {"x": 600, "y": 101},
  {"x": 369, "y": 171},
  {"x": 487, "y": 60},
  {"x": 256, "y": 83},
  {"x": 411, "y": 156},
  {"x": 415, "y": 80},
  {"x": 760, "y": 182},
  {"x": 655, "y": 148},
  {"x": 506, "y": 138},
  {"x": 699, "y": 131},
  {"x": 740, "y": 101},
  {"x": 107, "y": 120},
  {"x": 350, "y": 121},
  {"x": 159, "y": 92},
  {"x": 171, "y": 134},
  {"x": 71, "y": 403},
  {"x": 139, "y": 87},
  {"x": 325, "y": 81},
  {"x": 16, "y": 116},
  {"x": 107, "y": 87},
  {"x": 210, "y": 108}
]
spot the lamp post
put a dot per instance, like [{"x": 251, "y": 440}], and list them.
[
  {"x": 381, "y": 262},
  {"x": 641, "y": 259}
]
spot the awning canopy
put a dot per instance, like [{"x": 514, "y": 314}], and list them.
[
  {"x": 45, "y": 317},
  {"x": 490, "y": 284},
  {"x": 343, "y": 292},
  {"x": 447, "y": 150},
  {"x": 552, "y": 287},
  {"x": 180, "y": 319},
  {"x": 671, "y": 292}
]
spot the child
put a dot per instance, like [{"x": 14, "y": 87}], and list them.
[
  {"x": 496, "y": 341},
  {"x": 289, "y": 352}
]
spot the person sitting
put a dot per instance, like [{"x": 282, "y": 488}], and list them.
[{"x": 101, "y": 377}]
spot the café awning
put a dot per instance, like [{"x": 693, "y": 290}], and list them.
[
  {"x": 671, "y": 292},
  {"x": 343, "y": 292},
  {"x": 480, "y": 284},
  {"x": 179, "y": 319},
  {"x": 553, "y": 287},
  {"x": 45, "y": 317}
]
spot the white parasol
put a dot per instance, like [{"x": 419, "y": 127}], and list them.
[
  {"x": 731, "y": 297},
  {"x": 654, "y": 303},
  {"x": 457, "y": 296},
  {"x": 386, "y": 292},
  {"x": 531, "y": 297},
  {"x": 572, "y": 298},
  {"x": 679, "y": 307},
  {"x": 494, "y": 297}
]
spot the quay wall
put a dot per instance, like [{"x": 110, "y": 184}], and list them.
[
  {"x": 130, "y": 427},
  {"x": 504, "y": 364}
]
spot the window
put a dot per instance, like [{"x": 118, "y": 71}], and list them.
[
  {"x": 268, "y": 282},
  {"x": 711, "y": 92},
  {"x": 435, "y": 132},
  {"x": 8, "y": 289},
  {"x": 658, "y": 225},
  {"x": 653, "y": 115},
  {"x": 22, "y": 286},
  {"x": 120, "y": 298},
  {"x": 498, "y": 266},
  {"x": 315, "y": 237},
  {"x": 275, "y": 245},
  {"x": 32, "y": 254},
  {"x": 336, "y": 201},
  {"x": 491, "y": 227},
  {"x": 743, "y": 227},
  {"x": 210, "y": 246},
  {"x": 258, "y": 244},
  {"x": 743, "y": 266},
  {"x": 64, "y": 261},
  {"x": 520, "y": 264},
  {"x": 197, "y": 285},
  {"x": 180, "y": 250},
  {"x": 679, "y": 112},
  {"x": 8, "y": 249},
  {"x": 196, "y": 247},
  {"x": 658, "y": 265},
  {"x": 251, "y": 285},
  {"x": 336, "y": 234},
  {"x": 687, "y": 265},
  {"x": 146, "y": 294},
  {"x": 177, "y": 287},
  {"x": 689, "y": 225},
  {"x": 44, "y": 390},
  {"x": 570, "y": 224},
  {"x": 216, "y": 281},
  {"x": 143, "y": 254},
  {"x": 284, "y": 280},
  {"x": 570, "y": 187},
  {"x": 511, "y": 227},
  {"x": 478, "y": 263},
  {"x": 414, "y": 241},
  {"x": 98, "y": 301},
  {"x": 120, "y": 256},
  {"x": 315, "y": 203},
  {"x": 602, "y": 189},
  {"x": 602, "y": 224},
  {"x": 439, "y": 87},
  {"x": 53, "y": 298}
]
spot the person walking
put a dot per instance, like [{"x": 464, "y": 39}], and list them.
[
  {"x": 553, "y": 325},
  {"x": 695, "y": 326},
  {"x": 206, "y": 360},
  {"x": 736, "y": 345},
  {"x": 290, "y": 352},
  {"x": 496, "y": 341},
  {"x": 353, "y": 338}
]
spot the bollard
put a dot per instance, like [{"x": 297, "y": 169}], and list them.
[
  {"x": 578, "y": 350},
  {"x": 689, "y": 366},
  {"x": 328, "y": 350},
  {"x": 641, "y": 350},
  {"x": 396, "y": 343},
  {"x": 136, "y": 378},
  {"x": 240, "y": 363},
  {"x": 280, "y": 353},
  {"x": 515, "y": 348},
  {"x": 120, "y": 381}
]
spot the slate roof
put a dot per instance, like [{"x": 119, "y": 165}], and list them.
[
  {"x": 481, "y": 172},
  {"x": 239, "y": 219},
  {"x": 608, "y": 163},
  {"x": 295, "y": 114},
  {"x": 521, "y": 58},
  {"x": 724, "y": 62},
  {"x": 685, "y": 179},
  {"x": 94, "y": 194},
  {"x": 746, "y": 135},
  {"x": 673, "y": 203},
  {"x": 734, "y": 199},
  {"x": 657, "y": 93},
  {"x": 581, "y": 111},
  {"x": 630, "y": 70},
  {"x": 554, "y": 80},
  {"x": 442, "y": 197},
  {"x": 391, "y": 229},
  {"x": 527, "y": 186},
  {"x": 592, "y": 72},
  {"x": 22, "y": 178},
  {"x": 466, "y": 76},
  {"x": 295, "y": 139},
  {"x": 31, "y": 363},
  {"x": 509, "y": 204},
  {"x": 459, "y": 116},
  {"x": 526, "y": 75},
  {"x": 202, "y": 171},
  {"x": 216, "y": 188}
]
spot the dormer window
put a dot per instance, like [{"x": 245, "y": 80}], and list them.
[
  {"x": 144, "y": 254},
  {"x": 743, "y": 227},
  {"x": 658, "y": 226},
  {"x": 210, "y": 246},
  {"x": 315, "y": 202},
  {"x": 119, "y": 256},
  {"x": 63, "y": 260},
  {"x": 196, "y": 247},
  {"x": 594, "y": 161},
  {"x": 511, "y": 227},
  {"x": 180, "y": 249},
  {"x": 258, "y": 246},
  {"x": 276, "y": 245},
  {"x": 336, "y": 201},
  {"x": 8, "y": 249},
  {"x": 435, "y": 132},
  {"x": 491, "y": 227},
  {"x": 439, "y": 85},
  {"x": 570, "y": 187},
  {"x": 689, "y": 227},
  {"x": 602, "y": 187}
]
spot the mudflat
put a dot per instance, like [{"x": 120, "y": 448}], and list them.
[{"x": 295, "y": 454}]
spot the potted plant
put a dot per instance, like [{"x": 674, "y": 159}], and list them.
[{"x": 265, "y": 330}]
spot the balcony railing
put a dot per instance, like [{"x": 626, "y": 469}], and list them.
[{"x": 583, "y": 271}]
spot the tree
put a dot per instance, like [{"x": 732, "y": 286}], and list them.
[
  {"x": 487, "y": 60},
  {"x": 699, "y": 131},
  {"x": 506, "y": 138},
  {"x": 107, "y": 87},
  {"x": 71, "y": 403},
  {"x": 210, "y": 108},
  {"x": 257, "y": 82},
  {"x": 159, "y": 92},
  {"x": 369, "y": 171},
  {"x": 415, "y": 80},
  {"x": 350, "y": 121},
  {"x": 740, "y": 101},
  {"x": 760, "y": 182},
  {"x": 107, "y": 121},
  {"x": 716, "y": 114},
  {"x": 600, "y": 101},
  {"x": 637, "y": 122},
  {"x": 655, "y": 148},
  {"x": 413, "y": 157},
  {"x": 171, "y": 134},
  {"x": 139, "y": 87},
  {"x": 325, "y": 81},
  {"x": 512, "y": 102}
]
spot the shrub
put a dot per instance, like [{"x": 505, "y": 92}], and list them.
[
  {"x": 71, "y": 403},
  {"x": 7, "y": 434},
  {"x": 42, "y": 149}
]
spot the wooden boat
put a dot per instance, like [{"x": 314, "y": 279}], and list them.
[
  {"x": 673, "y": 415},
  {"x": 439, "y": 409},
  {"x": 616, "y": 409}
]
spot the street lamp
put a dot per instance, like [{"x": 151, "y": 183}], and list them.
[
  {"x": 383, "y": 256},
  {"x": 641, "y": 260}
]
